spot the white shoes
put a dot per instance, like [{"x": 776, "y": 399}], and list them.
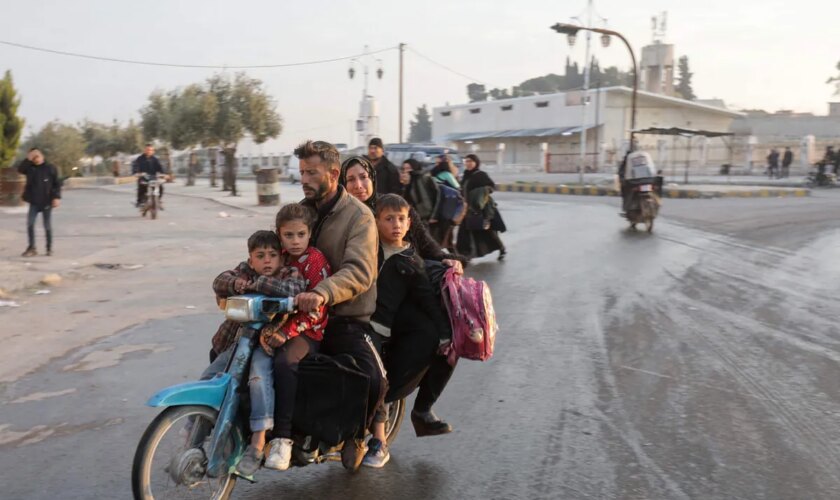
[{"x": 280, "y": 455}]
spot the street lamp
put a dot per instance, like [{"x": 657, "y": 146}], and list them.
[
  {"x": 605, "y": 40},
  {"x": 571, "y": 30}
]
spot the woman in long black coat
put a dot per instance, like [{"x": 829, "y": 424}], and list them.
[
  {"x": 412, "y": 360},
  {"x": 478, "y": 234}
]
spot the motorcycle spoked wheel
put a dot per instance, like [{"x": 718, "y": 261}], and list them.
[
  {"x": 396, "y": 414},
  {"x": 166, "y": 467}
]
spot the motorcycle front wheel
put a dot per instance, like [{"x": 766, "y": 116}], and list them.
[{"x": 170, "y": 461}]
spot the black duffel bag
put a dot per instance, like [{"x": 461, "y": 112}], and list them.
[{"x": 332, "y": 397}]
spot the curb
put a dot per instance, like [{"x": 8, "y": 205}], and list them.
[{"x": 669, "y": 192}]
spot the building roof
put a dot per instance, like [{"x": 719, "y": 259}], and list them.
[
  {"x": 649, "y": 96},
  {"x": 523, "y": 132}
]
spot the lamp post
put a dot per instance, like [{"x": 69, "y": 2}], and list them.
[
  {"x": 570, "y": 30},
  {"x": 366, "y": 107}
]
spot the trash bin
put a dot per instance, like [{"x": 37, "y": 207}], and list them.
[
  {"x": 11, "y": 187},
  {"x": 268, "y": 187}
]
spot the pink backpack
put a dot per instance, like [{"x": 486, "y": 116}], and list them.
[{"x": 472, "y": 317}]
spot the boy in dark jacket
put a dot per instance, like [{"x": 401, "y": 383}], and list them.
[
  {"x": 43, "y": 193},
  {"x": 402, "y": 278}
]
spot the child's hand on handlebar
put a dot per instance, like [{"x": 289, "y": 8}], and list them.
[{"x": 240, "y": 285}]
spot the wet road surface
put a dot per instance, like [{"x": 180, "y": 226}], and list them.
[{"x": 700, "y": 362}]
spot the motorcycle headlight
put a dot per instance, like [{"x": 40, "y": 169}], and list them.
[{"x": 241, "y": 309}]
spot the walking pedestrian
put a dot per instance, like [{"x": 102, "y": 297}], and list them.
[
  {"x": 478, "y": 235},
  {"x": 773, "y": 163},
  {"x": 43, "y": 193},
  {"x": 787, "y": 160},
  {"x": 387, "y": 174},
  {"x": 837, "y": 161}
]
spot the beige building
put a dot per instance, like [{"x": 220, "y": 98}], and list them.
[{"x": 521, "y": 133}]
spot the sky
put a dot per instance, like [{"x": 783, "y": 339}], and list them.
[{"x": 767, "y": 54}]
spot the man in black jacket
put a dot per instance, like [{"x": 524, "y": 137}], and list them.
[
  {"x": 787, "y": 161},
  {"x": 387, "y": 175},
  {"x": 148, "y": 164},
  {"x": 42, "y": 192}
]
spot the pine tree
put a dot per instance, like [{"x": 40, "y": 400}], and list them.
[
  {"x": 836, "y": 80},
  {"x": 11, "y": 125},
  {"x": 420, "y": 129},
  {"x": 684, "y": 86}
]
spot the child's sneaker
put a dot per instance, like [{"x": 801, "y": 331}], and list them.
[
  {"x": 280, "y": 455},
  {"x": 250, "y": 462},
  {"x": 377, "y": 455}
]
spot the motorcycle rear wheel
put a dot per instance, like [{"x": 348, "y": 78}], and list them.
[
  {"x": 396, "y": 414},
  {"x": 188, "y": 460}
]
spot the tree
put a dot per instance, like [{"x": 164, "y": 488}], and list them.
[
  {"x": 476, "y": 92},
  {"x": 11, "y": 125},
  {"x": 421, "y": 129},
  {"x": 217, "y": 113},
  {"x": 107, "y": 141},
  {"x": 237, "y": 107},
  {"x": 684, "y": 85},
  {"x": 836, "y": 80},
  {"x": 572, "y": 79},
  {"x": 190, "y": 111},
  {"x": 63, "y": 145}
]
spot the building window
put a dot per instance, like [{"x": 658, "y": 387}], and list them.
[
  {"x": 445, "y": 113},
  {"x": 507, "y": 108},
  {"x": 541, "y": 104}
]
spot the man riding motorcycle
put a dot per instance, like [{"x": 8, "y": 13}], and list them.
[
  {"x": 148, "y": 164},
  {"x": 636, "y": 171}
]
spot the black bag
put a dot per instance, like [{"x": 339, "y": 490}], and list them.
[
  {"x": 332, "y": 398},
  {"x": 474, "y": 221},
  {"x": 497, "y": 223}
]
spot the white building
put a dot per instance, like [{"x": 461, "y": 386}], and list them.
[{"x": 517, "y": 133}]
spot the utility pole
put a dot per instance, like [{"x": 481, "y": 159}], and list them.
[
  {"x": 585, "y": 99},
  {"x": 400, "y": 137}
]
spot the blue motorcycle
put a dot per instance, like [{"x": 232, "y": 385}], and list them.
[{"x": 191, "y": 449}]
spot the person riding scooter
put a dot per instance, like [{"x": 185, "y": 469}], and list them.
[{"x": 637, "y": 173}]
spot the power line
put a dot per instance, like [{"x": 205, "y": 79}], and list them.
[
  {"x": 447, "y": 68},
  {"x": 173, "y": 65}
]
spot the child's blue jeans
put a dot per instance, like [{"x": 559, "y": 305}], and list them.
[{"x": 261, "y": 386}]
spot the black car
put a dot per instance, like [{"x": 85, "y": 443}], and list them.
[{"x": 424, "y": 153}]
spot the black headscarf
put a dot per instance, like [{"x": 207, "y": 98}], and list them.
[
  {"x": 371, "y": 171},
  {"x": 476, "y": 178}
]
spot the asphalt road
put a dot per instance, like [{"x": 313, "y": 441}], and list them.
[{"x": 699, "y": 362}]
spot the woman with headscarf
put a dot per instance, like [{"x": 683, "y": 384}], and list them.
[
  {"x": 443, "y": 172},
  {"x": 411, "y": 354},
  {"x": 478, "y": 234}
]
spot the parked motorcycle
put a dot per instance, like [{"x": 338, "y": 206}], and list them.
[{"x": 191, "y": 449}]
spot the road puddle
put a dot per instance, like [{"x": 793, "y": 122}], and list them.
[{"x": 112, "y": 356}]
